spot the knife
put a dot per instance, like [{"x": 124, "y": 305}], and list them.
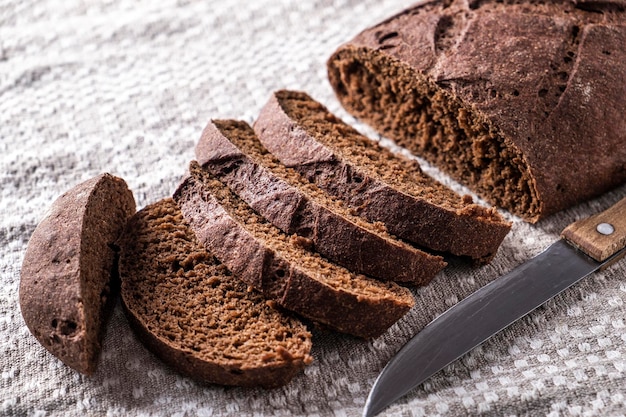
[{"x": 585, "y": 246}]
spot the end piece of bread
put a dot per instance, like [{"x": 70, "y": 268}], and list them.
[
  {"x": 190, "y": 311},
  {"x": 521, "y": 101},
  {"x": 378, "y": 184},
  {"x": 277, "y": 265},
  {"x": 231, "y": 151},
  {"x": 68, "y": 276}
]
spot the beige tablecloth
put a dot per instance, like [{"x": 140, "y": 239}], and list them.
[{"x": 126, "y": 86}]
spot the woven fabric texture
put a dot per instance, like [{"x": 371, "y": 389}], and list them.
[{"x": 126, "y": 87}]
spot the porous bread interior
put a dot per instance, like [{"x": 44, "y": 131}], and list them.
[
  {"x": 244, "y": 138},
  {"x": 312, "y": 263},
  {"x": 423, "y": 118},
  {"x": 184, "y": 296},
  {"x": 366, "y": 155},
  {"x": 106, "y": 211}
]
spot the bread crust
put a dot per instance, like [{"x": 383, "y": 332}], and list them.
[
  {"x": 473, "y": 231},
  {"x": 545, "y": 81},
  {"x": 289, "y": 283},
  {"x": 291, "y": 207},
  {"x": 68, "y": 278}
]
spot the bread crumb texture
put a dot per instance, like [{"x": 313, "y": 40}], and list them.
[{"x": 191, "y": 310}]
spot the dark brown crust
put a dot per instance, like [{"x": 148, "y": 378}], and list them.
[
  {"x": 473, "y": 231},
  {"x": 291, "y": 285},
  {"x": 294, "y": 210},
  {"x": 547, "y": 78},
  {"x": 220, "y": 369},
  {"x": 67, "y": 278}
]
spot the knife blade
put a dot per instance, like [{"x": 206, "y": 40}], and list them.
[{"x": 585, "y": 247}]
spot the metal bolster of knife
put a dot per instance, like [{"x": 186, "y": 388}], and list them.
[{"x": 602, "y": 236}]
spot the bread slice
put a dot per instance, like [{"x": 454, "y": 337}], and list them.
[
  {"x": 378, "y": 184},
  {"x": 521, "y": 101},
  {"x": 68, "y": 276},
  {"x": 277, "y": 265},
  {"x": 231, "y": 151},
  {"x": 190, "y": 311}
]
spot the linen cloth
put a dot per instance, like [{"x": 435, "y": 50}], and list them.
[{"x": 126, "y": 87}]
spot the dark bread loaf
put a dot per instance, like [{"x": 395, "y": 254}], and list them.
[
  {"x": 69, "y": 277},
  {"x": 522, "y": 101},
  {"x": 378, "y": 184},
  {"x": 190, "y": 311},
  {"x": 277, "y": 265},
  {"x": 231, "y": 151}
]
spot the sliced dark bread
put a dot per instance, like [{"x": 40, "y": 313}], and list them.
[
  {"x": 190, "y": 311},
  {"x": 231, "y": 151},
  {"x": 380, "y": 185},
  {"x": 274, "y": 263},
  {"x": 68, "y": 277}
]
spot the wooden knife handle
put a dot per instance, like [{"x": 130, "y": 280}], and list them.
[{"x": 601, "y": 235}]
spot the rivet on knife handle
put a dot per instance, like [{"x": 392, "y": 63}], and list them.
[{"x": 601, "y": 235}]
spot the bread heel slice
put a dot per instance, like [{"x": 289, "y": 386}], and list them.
[
  {"x": 269, "y": 260},
  {"x": 379, "y": 185},
  {"x": 68, "y": 276},
  {"x": 191, "y": 312},
  {"x": 231, "y": 151}
]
